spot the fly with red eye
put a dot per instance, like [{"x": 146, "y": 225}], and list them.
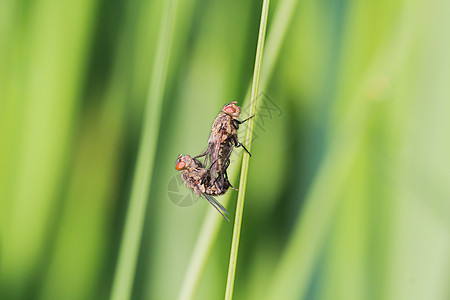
[
  {"x": 230, "y": 108},
  {"x": 180, "y": 165},
  {"x": 212, "y": 180},
  {"x": 222, "y": 140},
  {"x": 197, "y": 178}
]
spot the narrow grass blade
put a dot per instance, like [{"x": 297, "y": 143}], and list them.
[
  {"x": 210, "y": 227},
  {"x": 128, "y": 255},
  {"x": 245, "y": 161}
]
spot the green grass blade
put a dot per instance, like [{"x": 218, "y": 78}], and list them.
[
  {"x": 245, "y": 161},
  {"x": 128, "y": 255},
  {"x": 201, "y": 252},
  {"x": 42, "y": 69},
  {"x": 277, "y": 34},
  {"x": 210, "y": 227},
  {"x": 296, "y": 266}
]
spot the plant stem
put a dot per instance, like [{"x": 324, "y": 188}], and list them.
[
  {"x": 245, "y": 161},
  {"x": 210, "y": 226}
]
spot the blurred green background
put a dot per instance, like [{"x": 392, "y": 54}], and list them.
[{"x": 348, "y": 194}]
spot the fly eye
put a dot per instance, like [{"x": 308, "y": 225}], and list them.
[
  {"x": 180, "y": 165},
  {"x": 229, "y": 109}
]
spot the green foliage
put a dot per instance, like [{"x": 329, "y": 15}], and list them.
[{"x": 347, "y": 194}]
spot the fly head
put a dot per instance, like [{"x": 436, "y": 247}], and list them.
[{"x": 232, "y": 110}]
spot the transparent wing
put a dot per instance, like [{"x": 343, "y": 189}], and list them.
[{"x": 217, "y": 205}]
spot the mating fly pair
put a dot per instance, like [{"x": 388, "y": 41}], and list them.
[{"x": 213, "y": 181}]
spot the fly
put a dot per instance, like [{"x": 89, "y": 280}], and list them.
[
  {"x": 222, "y": 140},
  {"x": 198, "y": 178}
]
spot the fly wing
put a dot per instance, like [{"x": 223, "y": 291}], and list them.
[
  {"x": 214, "y": 154},
  {"x": 217, "y": 205}
]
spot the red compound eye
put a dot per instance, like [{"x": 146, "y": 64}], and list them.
[
  {"x": 180, "y": 165},
  {"x": 229, "y": 109}
]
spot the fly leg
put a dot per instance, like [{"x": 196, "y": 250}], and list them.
[
  {"x": 225, "y": 167},
  {"x": 221, "y": 182},
  {"x": 245, "y": 120},
  {"x": 203, "y": 154},
  {"x": 238, "y": 144},
  {"x": 217, "y": 181},
  {"x": 225, "y": 175},
  {"x": 210, "y": 167},
  {"x": 229, "y": 183}
]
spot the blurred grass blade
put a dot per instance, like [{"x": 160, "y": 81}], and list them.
[
  {"x": 128, "y": 254},
  {"x": 200, "y": 254},
  {"x": 348, "y": 194},
  {"x": 42, "y": 68},
  {"x": 296, "y": 267},
  {"x": 210, "y": 227},
  {"x": 245, "y": 161},
  {"x": 275, "y": 38}
]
